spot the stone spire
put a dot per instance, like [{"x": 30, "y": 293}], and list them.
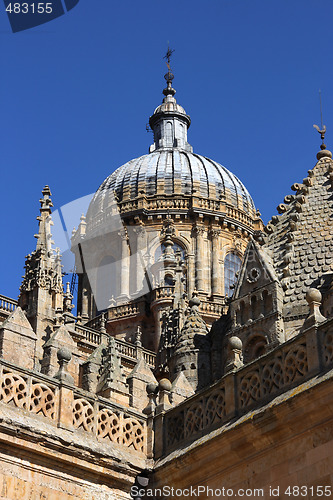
[
  {"x": 192, "y": 351},
  {"x": 44, "y": 236},
  {"x": 42, "y": 289},
  {"x": 112, "y": 380},
  {"x": 170, "y": 121}
]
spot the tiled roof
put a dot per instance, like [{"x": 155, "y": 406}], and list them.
[{"x": 300, "y": 240}]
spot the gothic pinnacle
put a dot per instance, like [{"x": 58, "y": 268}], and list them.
[{"x": 46, "y": 202}]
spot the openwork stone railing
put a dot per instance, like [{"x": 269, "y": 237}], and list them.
[
  {"x": 31, "y": 392},
  {"x": 7, "y": 305},
  {"x": 287, "y": 366},
  {"x": 326, "y": 342},
  {"x": 66, "y": 406},
  {"x": 108, "y": 421},
  {"x": 197, "y": 414}
]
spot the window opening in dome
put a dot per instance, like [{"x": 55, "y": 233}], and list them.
[
  {"x": 169, "y": 134},
  {"x": 232, "y": 265}
]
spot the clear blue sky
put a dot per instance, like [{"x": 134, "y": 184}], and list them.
[{"x": 76, "y": 95}]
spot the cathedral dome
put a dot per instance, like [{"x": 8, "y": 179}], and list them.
[
  {"x": 167, "y": 172},
  {"x": 172, "y": 176}
]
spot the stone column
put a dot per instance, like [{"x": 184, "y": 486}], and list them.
[
  {"x": 85, "y": 298},
  {"x": 199, "y": 267},
  {"x": 190, "y": 274},
  {"x": 216, "y": 272},
  {"x": 124, "y": 266},
  {"x": 141, "y": 248}
]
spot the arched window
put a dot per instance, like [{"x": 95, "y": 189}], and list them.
[
  {"x": 169, "y": 134},
  {"x": 232, "y": 265}
]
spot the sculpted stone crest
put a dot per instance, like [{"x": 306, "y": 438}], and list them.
[{"x": 253, "y": 275}]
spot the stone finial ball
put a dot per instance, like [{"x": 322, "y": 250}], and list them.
[
  {"x": 235, "y": 343},
  {"x": 152, "y": 388},
  {"x": 165, "y": 384},
  {"x": 313, "y": 295},
  {"x": 64, "y": 354}
]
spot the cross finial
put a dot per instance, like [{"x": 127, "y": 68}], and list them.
[
  {"x": 168, "y": 56},
  {"x": 169, "y": 75}
]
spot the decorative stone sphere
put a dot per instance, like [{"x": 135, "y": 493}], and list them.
[
  {"x": 313, "y": 295},
  {"x": 235, "y": 343},
  {"x": 324, "y": 153},
  {"x": 64, "y": 354},
  {"x": 165, "y": 384},
  {"x": 152, "y": 388}
]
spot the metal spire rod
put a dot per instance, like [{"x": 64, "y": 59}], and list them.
[
  {"x": 321, "y": 110},
  {"x": 321, "y": 130}
]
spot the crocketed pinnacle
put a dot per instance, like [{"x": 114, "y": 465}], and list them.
[{"x": 44, "y": 236}]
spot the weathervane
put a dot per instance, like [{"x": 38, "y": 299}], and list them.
[
  {"x": 168, "y": 56},
  {"x": 321, "y": 130},
  {"x": 169, "y": 75}
]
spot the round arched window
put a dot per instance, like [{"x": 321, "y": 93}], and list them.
[{"x": 232, "y": 265}]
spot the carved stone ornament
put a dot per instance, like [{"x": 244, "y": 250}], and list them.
[
  {"x": 237, "y": 240},
  {"x": 253, "y": 275}
]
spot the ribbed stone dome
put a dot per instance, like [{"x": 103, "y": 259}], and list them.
[{"x": 173, "y": 172}]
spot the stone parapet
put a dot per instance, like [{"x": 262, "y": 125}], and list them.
[
  {"x": 7, "y": 306},
  {"x": 255, "y": 384},
  {"x": 62, "y": 405}
]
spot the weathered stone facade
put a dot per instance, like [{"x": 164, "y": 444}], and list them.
[{"x": 161, "y": 378}]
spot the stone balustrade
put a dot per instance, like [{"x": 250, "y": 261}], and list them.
[
  {"x": 234, "y": 213},
  {"x": 90, "y": 338},
  {"x": 63, "y": 405},
  {"x": 212, "y": 308},
  {"x": 163, "y": 292},
  {"x": 86, "y": 335},
  {"x": 125, "y": 310},
  {"x": 7, "y": 306},
  {"x": 288, "y": 365},
  {"x": 133, "y": 352}
]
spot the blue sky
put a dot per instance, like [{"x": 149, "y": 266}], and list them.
[{"x": 76, "y": 95}]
